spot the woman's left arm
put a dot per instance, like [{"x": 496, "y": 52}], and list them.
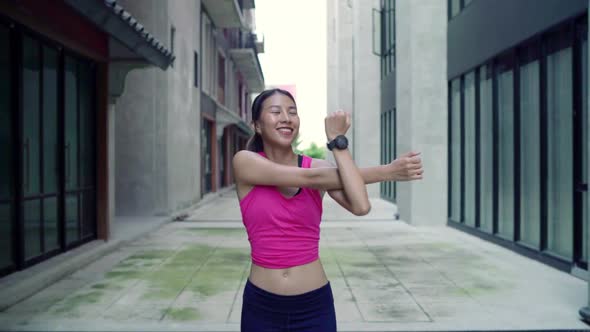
[{"x": 407, "y": 167}]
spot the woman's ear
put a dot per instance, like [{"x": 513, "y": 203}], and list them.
[{"x": 255, "y": 127}]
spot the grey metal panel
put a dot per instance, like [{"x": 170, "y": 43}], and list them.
[
  {"x": 486, "y": 28},
  {"x": 388, "y": 92},
  {"x": 207, "y": 104}
]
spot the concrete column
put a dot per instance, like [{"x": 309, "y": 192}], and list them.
[{"x": 421, "y": 95}]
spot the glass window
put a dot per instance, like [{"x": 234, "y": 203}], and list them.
[
  {"x": 530, "y": 155},
  {"x": 455, "y": 121},
  {"x": 505, "y": 148},
  {"x": 585, "y": 147},
  {"x": 6, "y": 138},
  {"x": 50, "y": 223},
  {"x": 50, "y": 153},
  {"x": 470, "y": 156},
  {"x": 32, "y": 228},
  {"x": 72, "y": 226},
  {"x": 5, "y": 117},
  {"x": 5, "y": 235},
  {"x": 455, "y": 7},
  {"x": 87, "y": 115},
  {"x": 559, "y": 152},
  {"x": 88, "y": 214},
  {"x": 486, "y": 150},
  {"x": 31, "y": 119},
  {"x": 71, "y": 125}
]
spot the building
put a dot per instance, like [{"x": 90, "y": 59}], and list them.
[
  {"x": 494, "y": 95},
  {"x": 116, "y": 109},
  {"x": 353, "y": 77},
  {"x": 518, "y": 128}
]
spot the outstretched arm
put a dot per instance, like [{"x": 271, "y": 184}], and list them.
[{"x": 407, "y": 167}]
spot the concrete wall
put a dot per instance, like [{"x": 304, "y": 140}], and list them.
[
  {"x": 157, "y": 118},
  {"x": 422, "y": 106},
  {"x": 367, "y": 92},
  {"x": 354, "y": 77}
]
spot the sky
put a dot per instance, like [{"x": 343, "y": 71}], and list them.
[{"x": 295, "y": 53}]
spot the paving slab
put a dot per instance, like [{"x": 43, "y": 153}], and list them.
[{"x": 385, "y": 275}]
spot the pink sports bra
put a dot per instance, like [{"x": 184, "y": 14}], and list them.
[{"x": 283, "y": 232}]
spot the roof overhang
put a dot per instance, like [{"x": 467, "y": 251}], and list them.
[
  {"x": 224, "y": 117},
  {"x": 224, "y": 13},
  {"x": 129, "y": 40},
  {"x": 248, "y": 64}
]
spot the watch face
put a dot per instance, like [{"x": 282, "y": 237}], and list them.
[{"x": 341, "y": 142}]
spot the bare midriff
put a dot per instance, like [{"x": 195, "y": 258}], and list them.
[{"x": 290, "y": 281}]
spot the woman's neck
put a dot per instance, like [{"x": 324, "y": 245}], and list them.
[{"x": 281, "y": 156}]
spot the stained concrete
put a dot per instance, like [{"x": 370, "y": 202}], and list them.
[{"x": 386, "y": 275}]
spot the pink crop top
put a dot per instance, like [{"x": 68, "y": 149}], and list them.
[{"x": 283, "y": 232}]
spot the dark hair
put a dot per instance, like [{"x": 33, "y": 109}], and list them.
[{"x": 255, "y": 142}]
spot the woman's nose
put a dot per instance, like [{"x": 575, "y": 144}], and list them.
[{"x": 284, "y": 117}]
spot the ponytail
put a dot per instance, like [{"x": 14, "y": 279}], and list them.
[{"x": 255, "y": 143}]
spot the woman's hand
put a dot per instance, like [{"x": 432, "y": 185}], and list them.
[
  {"x": 337, "y": 123},
  {"x": 407, "y": 167}
]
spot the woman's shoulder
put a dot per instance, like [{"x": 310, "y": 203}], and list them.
[{"x": 243, "y": 155}]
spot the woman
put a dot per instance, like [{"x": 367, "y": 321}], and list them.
[{"x": 280, "y": 196}]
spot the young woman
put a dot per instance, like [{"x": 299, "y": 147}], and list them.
[{"x": 280, "y": 196}]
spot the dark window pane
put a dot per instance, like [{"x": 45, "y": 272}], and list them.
[
  {"x": 31, "y": 119},
  {"x": 456, "y": 150},
  {"x": 196, "y": 67},
  {"x": 6, "y": 137},
  {"x": 585, "y": 147},
  {"x": 5, "y": 236},
  {"x": 50, "y": 223},
  {"x": 50, "y": 120},
  {"x": 506, "y": 151},
  {"x": 72, "y": 215},
  {"x": 71, "y": 124},
  {"x": 560, "y": 152},
  {"x": 88, "y": 213},
  {"x": 530, "y": 156},
  {"x": 486, "y": 152},
  {"x": 32, "y": 228},
  {"x": 470, "y": 149},
  {"x": 87, "y": 163},
  {"x": 455, "y": 7}
]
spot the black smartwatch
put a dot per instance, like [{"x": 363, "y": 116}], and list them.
[{"x": 340, "y": 143}]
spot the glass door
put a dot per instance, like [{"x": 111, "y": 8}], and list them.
[
  {"x": 39, "y": 167},
  {"x": 6, "y": 150},
  {"x": 78, "y": 150}
]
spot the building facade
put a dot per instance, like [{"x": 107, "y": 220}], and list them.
[
  {"x": 353, "y": 77},
  {"x": 494, "y": 95},
  {"x": 518, "y": 126},
  {"x": 112, "y": 109}
]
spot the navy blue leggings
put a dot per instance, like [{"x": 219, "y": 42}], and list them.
[{"x": 310, "y": 312}]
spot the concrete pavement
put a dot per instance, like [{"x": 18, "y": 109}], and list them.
[{"x": 385, "y": 274}]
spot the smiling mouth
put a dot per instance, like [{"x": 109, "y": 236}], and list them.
[{"x": 285, "y": 130}]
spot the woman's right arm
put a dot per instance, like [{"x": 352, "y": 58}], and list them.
[{"x": 252, "y": 169}]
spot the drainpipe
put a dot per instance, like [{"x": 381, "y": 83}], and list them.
[{"x": 585, "y": 311}]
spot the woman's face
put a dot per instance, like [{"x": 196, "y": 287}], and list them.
[{"x": 279, "y": 122}]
